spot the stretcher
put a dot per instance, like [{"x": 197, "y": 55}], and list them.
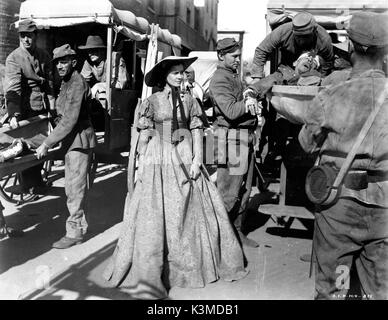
[{"x": 33, "y": 131}]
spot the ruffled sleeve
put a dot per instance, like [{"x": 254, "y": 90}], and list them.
[
  {"x": 195, "y": 115},
  {"x": 145, "y": 116}
]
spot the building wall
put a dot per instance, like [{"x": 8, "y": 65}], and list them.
[
  {"x": 179, "y": 17},
  {"x": 147, "y": 9},
  {"x": 170, "y": 14},
  {"x": 8, "y": 37}
]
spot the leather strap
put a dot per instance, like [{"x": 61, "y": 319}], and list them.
[{"x": 364, "y": 131}]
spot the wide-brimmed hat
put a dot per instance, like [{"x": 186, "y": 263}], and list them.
[
  {"x": 156, "y": 74},
  {"x": 63, "y": 51},
  {"x": 93, "y": 42}
]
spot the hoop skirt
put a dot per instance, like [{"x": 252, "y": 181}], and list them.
[{"x": 176, "y": 231}]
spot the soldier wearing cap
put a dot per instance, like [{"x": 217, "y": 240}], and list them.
[
  {"x": 301, "y": 35},
  {"x": 353, "y": 232},
  {"x": 28, "y": 89},
  {"x": 75, "y": 131},
  {"x": 234, "y": 117}
]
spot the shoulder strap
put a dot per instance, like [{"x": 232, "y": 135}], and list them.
[{"x": 364, "y": 131}]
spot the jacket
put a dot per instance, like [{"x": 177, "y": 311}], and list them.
[
  {"x": 28, "y": 82},
  {"x": 226, "y": 93},
  {"x": 74, "y": 129},
  {"x": 283, "y": 38},
  {"x": 337, "y": 114}
]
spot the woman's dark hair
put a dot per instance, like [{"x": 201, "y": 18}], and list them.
[{"x": 162, "y": 81}]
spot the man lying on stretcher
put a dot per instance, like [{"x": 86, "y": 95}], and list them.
[{"x": 306, "y": 73}]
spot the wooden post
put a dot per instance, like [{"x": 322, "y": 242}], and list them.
[
  {"x": 151, "y": 58},
  {"x": 109, "y": 69},
  {"x": 134, "y": 73},
  {"x": 283, "y": 185}
]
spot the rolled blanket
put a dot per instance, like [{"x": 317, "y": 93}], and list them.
[{"x": 13, "y": 150}]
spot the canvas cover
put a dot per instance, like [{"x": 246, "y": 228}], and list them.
[
  {"x": 331, "y": 14},
  {"x": 60, "y": 13},
  {"x": 204, "y": 67}
]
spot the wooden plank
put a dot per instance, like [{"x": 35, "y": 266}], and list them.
[
  {"x": 283, "y": 182},
  {"x": 109, "y": 67},
  {"x": 301, "y": 91},
  {"x": 286, "y": 211}
]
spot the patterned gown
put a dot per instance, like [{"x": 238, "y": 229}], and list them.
[{"x": 175, "y": 231}]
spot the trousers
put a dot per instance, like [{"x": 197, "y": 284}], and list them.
[
  {"x": 77, "y": 165},
  {"x": 348, "y": 235},
  {"x": 235, "y": 190}
]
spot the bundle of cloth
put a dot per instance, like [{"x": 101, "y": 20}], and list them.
[{"x": 20, "y": 147}]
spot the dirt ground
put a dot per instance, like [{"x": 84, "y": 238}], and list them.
[{"x": 31, "y": 269}]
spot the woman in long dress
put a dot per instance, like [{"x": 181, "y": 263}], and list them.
[{"x": 175, "y": 231}]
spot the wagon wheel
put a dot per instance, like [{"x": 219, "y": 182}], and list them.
[
  {"x": 46, "y": 170},
  {"x": 10, "y": 190}
]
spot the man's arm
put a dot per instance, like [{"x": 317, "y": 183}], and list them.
[
  {"x": 71, "y": 111},
  {"x": 326, "y": 52},
  {"x": 263, "y": 51},
  {"x": 87, "y": 72},
  {"x": 13, "y": 87},
  {"x": 222, "y": 93},
  {"x": 313, "y": 132}
]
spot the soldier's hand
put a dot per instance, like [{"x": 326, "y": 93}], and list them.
[
  {"x": 42, "y": 151},
  {"x": 251, "y": 106},
  {"x": 14, "y": 123}
]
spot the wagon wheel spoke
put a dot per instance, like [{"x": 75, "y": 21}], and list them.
[
  {"x": 6, "y": 181},
  {"x": 8, "y": 187}
]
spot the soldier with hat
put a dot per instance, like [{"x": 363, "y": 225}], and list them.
[
  {"x": 28, "y": 90},
  {"x": 75, "y": 131},
  {"x": 301, "y": 35},
  {"x": 292, "y": 39},
  {"x": 94, "y": 72},
  {"x": 94, "y": 68},
  {"x": 353, "y": 232},
  {"x": 236, "y": 119}
]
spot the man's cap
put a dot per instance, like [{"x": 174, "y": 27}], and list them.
[
  {"x": 158, "y": 72},
  {"x": 93, "y": 42},
  {"x": 228, "y": 45},
  {"x": 303, "y": 24},
  {"x": 369, "y": 29},
  {"x": 27, "y": 25},
  {"x": 63, "y": 51}
]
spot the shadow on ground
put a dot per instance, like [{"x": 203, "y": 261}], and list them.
[
  {"x": 45, "y": 220},
  {"x": 84, "y": 281}
]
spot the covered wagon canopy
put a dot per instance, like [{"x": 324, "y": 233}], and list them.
[
  {"x": 60, "y": 13},
  {"x": 331, "y": 14}
]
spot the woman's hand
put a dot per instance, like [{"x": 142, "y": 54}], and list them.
[{"x": 195, "y": 170}]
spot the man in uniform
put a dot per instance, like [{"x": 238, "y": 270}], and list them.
[
  {"x": 75, "y": 131},
  {"x": 353, "y": 232},
  {"x": 294, "y": 38},
  {"x": 234, "y": 117},
  {"x": 28, "y": 90}
]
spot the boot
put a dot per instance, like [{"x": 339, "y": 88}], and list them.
[{"x": 66, "y": 242}]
